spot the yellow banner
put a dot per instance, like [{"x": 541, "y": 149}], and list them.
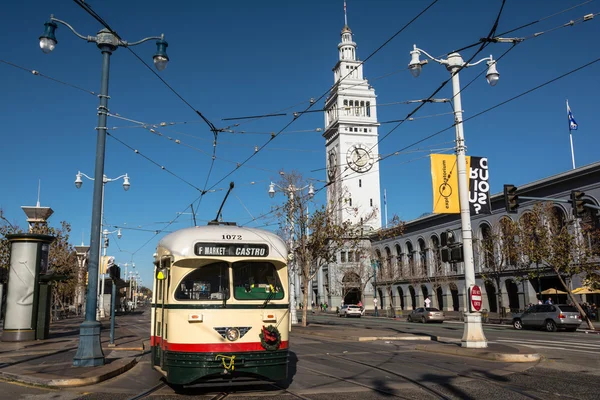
[
  {"x": 106, "y": 262},
  {"x": 444, "y": 177}
]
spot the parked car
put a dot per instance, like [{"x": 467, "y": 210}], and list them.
[
  {"x": 550, "y": 317},
  {"x": 426, "y": 314},
  {"x": 350, "y": 310}
]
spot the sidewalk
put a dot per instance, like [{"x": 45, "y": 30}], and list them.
[
  {"x": 429, "y": 343},
  {"x": 50, "y": 362}
]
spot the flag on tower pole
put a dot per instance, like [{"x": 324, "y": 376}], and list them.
[{"x": 572, "y": 127}]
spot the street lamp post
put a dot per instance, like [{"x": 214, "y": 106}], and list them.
[
  {"x": 105, "y": 234},
  {"x": 375, "y": 264},
  {"x": 289, "y": 192},
  {"x": 473, "y": 335},
  {"x": 105, "y": 180},
  {"x": 89, "y": 353}
]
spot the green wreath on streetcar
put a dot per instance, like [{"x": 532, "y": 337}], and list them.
[{"x": 270, "y": 338}]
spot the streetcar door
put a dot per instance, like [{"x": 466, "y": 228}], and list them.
[{"x": 159, "y": 315}]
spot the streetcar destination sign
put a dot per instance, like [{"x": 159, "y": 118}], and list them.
[{"x": 231, "y": 249}]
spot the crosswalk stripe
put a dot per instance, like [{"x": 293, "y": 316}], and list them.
[
  {"x": 561, "y": 343},
  {"x": 558, "y": 348}
]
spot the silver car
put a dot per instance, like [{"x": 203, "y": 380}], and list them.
[
  {"x": 349, "y": 310},
  {"x": 426, "y": 314},
  {"x": 550, "y": 317}
]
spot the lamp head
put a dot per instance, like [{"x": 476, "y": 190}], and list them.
[
  {"x": 161, "y": 59},
  {"x": 272, "y": 190},
  {"x": 119, "y": 234},
  {"x": 492, "y": 75},
  {"x": 311, "y": 191},
  {"x": 415, "y": 63},
  {"x": 48, "y": 40},
  {"x": 78, "y": 181},
  {"x": 126, "y": 183}
]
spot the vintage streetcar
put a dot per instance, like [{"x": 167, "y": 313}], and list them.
[{"x": 220, "y": 305}]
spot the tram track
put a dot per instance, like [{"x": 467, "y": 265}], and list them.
[{"x": 521, "y": 390}]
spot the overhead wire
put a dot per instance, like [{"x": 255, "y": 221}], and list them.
[
  {"x": 336, "y": 84},
  {"x": 212, "y": 127},
  {"x": 38, "y": 73}
]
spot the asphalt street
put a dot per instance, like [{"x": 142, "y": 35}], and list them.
[{"x": 330, "y": 368}]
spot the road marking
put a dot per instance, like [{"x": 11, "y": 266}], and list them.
[
  {"x": 557, "y": 348},
  {"x": 561, "y": 343}
]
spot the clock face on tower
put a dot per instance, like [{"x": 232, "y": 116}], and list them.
[
  {"x": 332, "y": 164},
  {"x": 359, "y": 158}
]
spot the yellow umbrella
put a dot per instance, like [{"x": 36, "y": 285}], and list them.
[
  {"x": 585, "y": 290},
  {"x": 553, "y": 291}
]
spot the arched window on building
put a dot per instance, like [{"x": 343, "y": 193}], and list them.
[
  {"x": 389, "y": 266},
  {"x": 509, "y": 246},
  {"x": 399, "y": 264},
  {"x": 438, "y": 266},
  {"x": 486, "y": 247},
  {"x": 410, "y": 258},
  {"x": 379, "y": 267},
  {"x": 368, "y": 108},
  {"x": 423, "y": 259},
  {"x": 590, "y": 228}
]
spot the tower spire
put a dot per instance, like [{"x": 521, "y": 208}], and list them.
[{"x": 345, "y": 14}]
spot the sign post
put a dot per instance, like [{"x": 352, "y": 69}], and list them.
[{"x": 476, "y": 298}]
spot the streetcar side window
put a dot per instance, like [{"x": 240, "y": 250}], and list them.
[
  {"x": 256, "y": 281},
  {"x": 210, "y": 282}
]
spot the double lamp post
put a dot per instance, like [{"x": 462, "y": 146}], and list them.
[
  {"x": 101, "y": 273},
  {"x": 473, "y": 336},
  {"x": 290, "y": 191},
  {"x": 89, "y": 352}
]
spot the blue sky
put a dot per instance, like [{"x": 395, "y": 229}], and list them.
[{"x": 238, "y": 58}]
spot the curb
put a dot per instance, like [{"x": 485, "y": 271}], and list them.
[
  {"x": 484, "y": 355},
  {"x": 371, "y": 338},
  {"x": 72, "y": 382}
]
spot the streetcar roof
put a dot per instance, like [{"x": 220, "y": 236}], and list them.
[{"x": 181, "y": 243}]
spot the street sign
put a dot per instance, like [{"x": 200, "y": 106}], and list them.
[{"x": 476, "y": 298}]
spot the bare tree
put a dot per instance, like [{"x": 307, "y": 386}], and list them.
[
  {"x": 546, "y": 236},
  {"x": 317, "y": 237},
  {"x": 499, "y": 252}
]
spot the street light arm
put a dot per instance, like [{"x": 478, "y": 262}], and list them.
[
  {"x": 429, "y": 56},
  {"x": 115, "y": 179},
  {"x": 84, "y": 175},
  {"x": 87, "y": 38},
  {"x": 126, "y": 44},
  {"x": 490, "y": 58}
]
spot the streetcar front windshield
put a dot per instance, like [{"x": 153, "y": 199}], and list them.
[
  {"x": 210, "y": 282},
  {"x": 256, "y": 281}
]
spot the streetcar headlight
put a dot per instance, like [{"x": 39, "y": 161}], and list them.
[{"x": 232, "y": 334}]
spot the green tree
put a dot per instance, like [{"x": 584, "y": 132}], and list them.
[{"x": 547, "y": 237}]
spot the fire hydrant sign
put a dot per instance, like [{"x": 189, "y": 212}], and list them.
[{"x": 476, "y": 298}]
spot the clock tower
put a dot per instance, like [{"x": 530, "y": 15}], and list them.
[{"x": 351, "y": 141}]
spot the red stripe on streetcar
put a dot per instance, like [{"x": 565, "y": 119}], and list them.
[{"x": 210, "y": 347}]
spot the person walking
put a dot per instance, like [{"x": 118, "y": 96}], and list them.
[
  {"x": 549, "y": 300},
  {"x": 375, "y": 305}
]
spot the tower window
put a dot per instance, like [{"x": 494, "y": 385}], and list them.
[
  {"x": 360, "y": 183},
  {"x": 371, "y": 201},
  {"x": 350, "y": 201},
  {"x": 355, "y": 129},
  {"x": 368, "y": 108}
]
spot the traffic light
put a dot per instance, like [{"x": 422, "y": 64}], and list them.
[
  {"x": 452, "y": 254},
  {"x": 114, "y": 272},
  {"x": 447, "y": 238},
  {"x": 577, "y": 203},
  {"x": 511, "y": 200}
]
